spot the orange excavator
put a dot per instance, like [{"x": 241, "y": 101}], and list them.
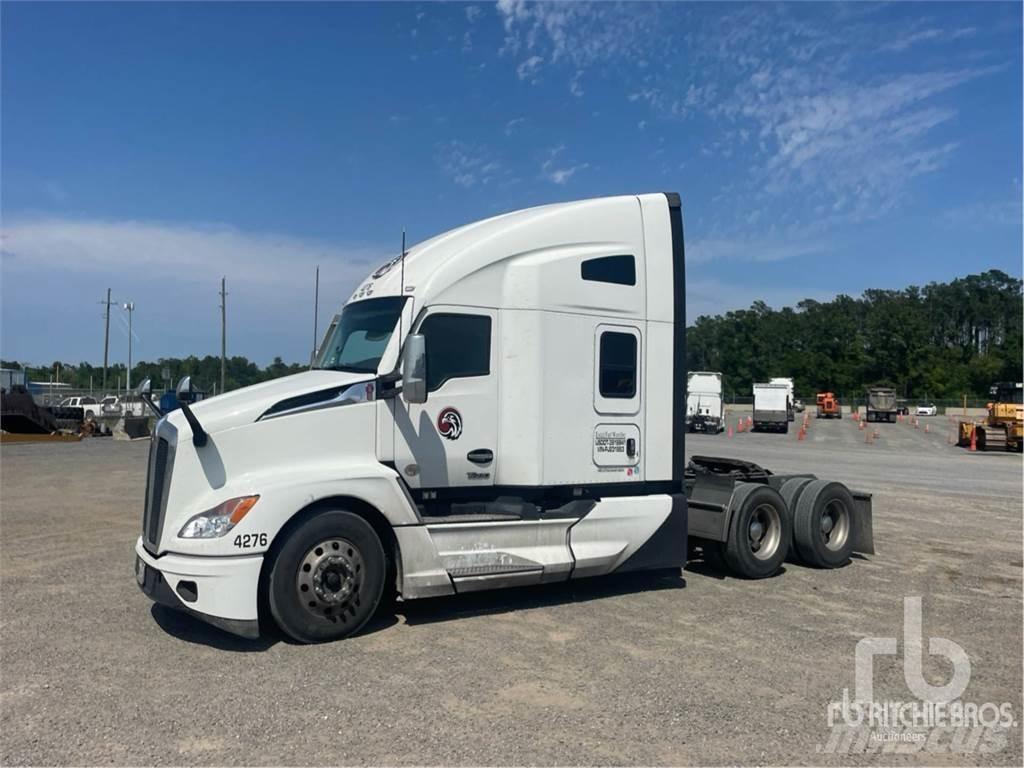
[{"x": 828, "y": 406}]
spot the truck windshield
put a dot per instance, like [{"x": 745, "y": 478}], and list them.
[{"x": 361, "y": 335}]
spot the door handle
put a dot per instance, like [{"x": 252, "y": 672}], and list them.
[{"x": 481, "y": 456}]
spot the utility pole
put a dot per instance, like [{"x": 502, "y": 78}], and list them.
[
  {"x": 223, "y": 331},
  {"x": 130, "y": 306},
  {"x": 106, "y": 337},
  {"x": 316, "y": 309}
]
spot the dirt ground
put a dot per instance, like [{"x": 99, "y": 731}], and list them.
[{"x": 644, "y": 669}]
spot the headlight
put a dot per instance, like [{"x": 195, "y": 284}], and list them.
[{"x": 219, "y": 520}]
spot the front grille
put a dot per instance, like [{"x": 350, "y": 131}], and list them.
[{"x": 158, "y": 481}]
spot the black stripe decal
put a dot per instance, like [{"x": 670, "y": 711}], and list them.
[{"x": 675, "y": 213}]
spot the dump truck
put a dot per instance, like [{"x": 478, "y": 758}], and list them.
[
  {"x": 828, "y": 406},
  {"x": 880, "y": 404},
  {"x": 705, "y": 411},
  {"x": 771, "y": 407},
  {"x": 1003, "y": 426},
  {"x": 501, "y": 405}
]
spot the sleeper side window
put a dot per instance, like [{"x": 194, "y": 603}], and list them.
[
  {"x": 458, "y": 346},
  {"x": 620, "y": 270},
  {"x": 617, "y": 377}
]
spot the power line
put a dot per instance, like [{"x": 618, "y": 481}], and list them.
[{"x": 106, "y": 336}]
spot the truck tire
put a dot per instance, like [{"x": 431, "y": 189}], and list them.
[
  {"x": 759, "y": 532},
  {"x": 327, "y": 578},
  {"x": 823, "y": 524}
]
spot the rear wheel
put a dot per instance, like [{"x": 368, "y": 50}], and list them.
[
  {"x": 823, "y": 524},
  {"x": 328, "y": 578},
  {"x": 759, "y": 533}
]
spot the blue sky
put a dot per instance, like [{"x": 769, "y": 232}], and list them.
[{"x": 818, "y": 148}]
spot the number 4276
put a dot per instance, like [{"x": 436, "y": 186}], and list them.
[{"x": 247, "y": 540}]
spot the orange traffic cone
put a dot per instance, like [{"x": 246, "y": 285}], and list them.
[
  {"x": 926, "y": 429},
  {"x": 974, "y": 439},
  {"x": 730, "y": 431}
]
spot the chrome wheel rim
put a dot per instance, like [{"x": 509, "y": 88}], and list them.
[
  {"x": 835, "y": 525},
  {"x": 764, "y": 532},
  {"x": 329, "y": 579}
]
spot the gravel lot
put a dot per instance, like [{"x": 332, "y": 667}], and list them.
[{"x": 640, "y": 670}]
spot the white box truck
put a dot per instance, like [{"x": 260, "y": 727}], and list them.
[
  {"x": 501, "y": 405},
  {"x": 705, "y": 411},
  {"x": 771, "y": 407},
  {"x": 790, "y": 398}
]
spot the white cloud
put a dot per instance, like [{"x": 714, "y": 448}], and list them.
[
  {"x": 575, "y": 86},
  {"x": 559, "y": 175},
  {"x": 759, "y": 250},
  {"x": 473, "y": 13},
  {"x": 527, "y": 70},
  {"x": 805, "y": 92},
  {"x": 468, "y": 164},
  {"x": 513, "y": 124},
  {"x": 188, "y": 252},
  {"x": 932, "y": 34},
  {"x": 172, "y": 272}
]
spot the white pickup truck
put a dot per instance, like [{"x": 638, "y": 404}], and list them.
[
  {"x": 502, "y": 405},
  {"x": 91, "y": 407}
]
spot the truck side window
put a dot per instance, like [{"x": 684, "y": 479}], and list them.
[
  {"x": 618, "y": 365},
  {"x": 610, "y": 269},
  {"x": 457, "y": 346}
]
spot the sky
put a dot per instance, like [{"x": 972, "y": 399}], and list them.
[{"x": 154, "y": 148}]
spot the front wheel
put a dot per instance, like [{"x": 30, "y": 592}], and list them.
[{"x": 327, "y": 579}]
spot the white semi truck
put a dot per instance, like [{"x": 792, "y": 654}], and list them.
[
  {"x": 502, "y": 405},
  {"x": 705, "y": 411}
]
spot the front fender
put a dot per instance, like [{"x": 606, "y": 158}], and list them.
[{"x": 284, "y": 492}]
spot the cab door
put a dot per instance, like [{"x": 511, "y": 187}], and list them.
[{"x": 450, "y": 440}]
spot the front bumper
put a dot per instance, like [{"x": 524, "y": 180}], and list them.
[{"x": 221, "y": 591}]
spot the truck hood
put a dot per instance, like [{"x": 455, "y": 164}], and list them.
[{"x": 246, "y": 405}]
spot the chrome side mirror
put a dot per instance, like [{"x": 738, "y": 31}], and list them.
[
  {"x": 186, "y": 392},
  {"x": 145, "y": 389},
  {"x": 414, "y": 369}
]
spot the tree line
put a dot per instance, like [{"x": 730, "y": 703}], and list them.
[
  {"x": 940, "y": 341},
  {"x": 205, "y": 372}
]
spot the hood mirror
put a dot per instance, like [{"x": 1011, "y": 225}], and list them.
[
  {"x": 186, "y": 391},
  {"x": 145, "y": 389},
  {"x": 414, "y": 369}
]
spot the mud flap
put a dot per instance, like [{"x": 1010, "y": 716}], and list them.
[{"x": 863, "y": 532}]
